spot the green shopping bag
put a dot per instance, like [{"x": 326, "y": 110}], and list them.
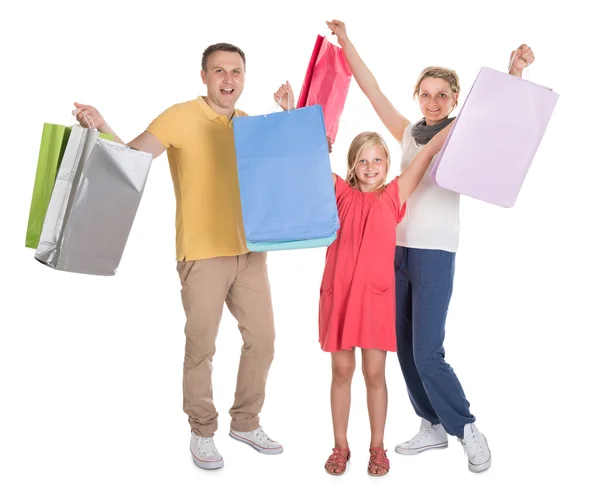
[{"x": 52, "y": 148}]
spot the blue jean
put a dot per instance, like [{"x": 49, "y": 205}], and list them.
[{"x": 424, "y": 281}]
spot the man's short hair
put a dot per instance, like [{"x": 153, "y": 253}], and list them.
[{"x": 221, "y": 47}]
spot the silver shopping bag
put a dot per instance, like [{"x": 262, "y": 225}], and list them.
[{"x": 94, "y": 202}]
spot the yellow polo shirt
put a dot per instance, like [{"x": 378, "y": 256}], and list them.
[{"x": 201, "y": 154}]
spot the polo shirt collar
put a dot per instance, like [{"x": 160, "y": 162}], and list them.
[{"x": 211, "y": 113}]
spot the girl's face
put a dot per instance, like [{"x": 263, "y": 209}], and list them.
[
  {"x": 436, "y": 100},
  {"x": 371, "y": 168}
]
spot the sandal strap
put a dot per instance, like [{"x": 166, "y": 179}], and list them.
[
  {"x": 340, "y": 453},
  {"x": 339, "y": 457},
  {"x": 379, "y": 458}
]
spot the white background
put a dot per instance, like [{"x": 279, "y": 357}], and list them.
[{"x": 90, "y": 367}]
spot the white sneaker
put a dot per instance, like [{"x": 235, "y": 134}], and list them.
[
  {"x": 429, "y": 437},
  {"x": 258, "y": 440},
  {"x": 476, "y": 448},
  {"x": 204, "y": 452}
]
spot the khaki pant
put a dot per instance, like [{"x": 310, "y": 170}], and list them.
[{"x": 242, "y": 283}]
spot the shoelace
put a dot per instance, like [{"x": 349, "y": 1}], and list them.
[
  {"x": 263, "y": 437},
  {"x": 419, "y": 436},
  {"x": 471, "y": 442},
  {"x": 207, "y": 446}
]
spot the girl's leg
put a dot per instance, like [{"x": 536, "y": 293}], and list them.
[
  {"x": 373, "y": 362},
  {"x": 343, "y": 364}
]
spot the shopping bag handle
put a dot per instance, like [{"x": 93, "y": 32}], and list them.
[
  {"x": 277, "y": 105},
  {"x": 330, "y": 38},
  {"x": 88, "y": 120}
]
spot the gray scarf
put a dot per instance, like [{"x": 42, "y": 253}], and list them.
[{"x": 423, "y": 133}]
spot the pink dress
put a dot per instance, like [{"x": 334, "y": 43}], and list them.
[{"x": 357, "y": 307}]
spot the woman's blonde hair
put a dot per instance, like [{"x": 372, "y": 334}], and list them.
[
  {"x": 360, "y": 142},
  {"x": 448, "y": 75}
]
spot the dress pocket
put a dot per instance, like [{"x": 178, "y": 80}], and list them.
[
  {"x": 376, "y": 300},
  {"x": 325, "y": 309},
  {"x": 374, "y": 290},
  {"x": 325, "y": 302}
]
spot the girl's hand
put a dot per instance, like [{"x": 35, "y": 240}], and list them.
[
  {"x": 284, "y": 97},
  {"x": 437, "y": 142}
]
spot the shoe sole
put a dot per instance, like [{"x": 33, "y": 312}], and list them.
[
  {"x": 414, "y": 452},
  {"x": 257, "y": 448},
  {"x": 207, "y": 464},
  {"x": 480, "y": 468},
  {"x": 375, "y": 475}
]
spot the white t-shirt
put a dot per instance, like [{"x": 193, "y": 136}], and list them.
[{"x": 432, "y": 212}]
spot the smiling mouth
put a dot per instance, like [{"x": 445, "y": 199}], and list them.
[
  {"x": 226, "y": 91},
  {"x": 371, "y": 175}
]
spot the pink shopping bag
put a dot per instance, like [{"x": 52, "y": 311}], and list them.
[
  {"x": 495, "y": 138},
  {"x": 326, "y": 83}
]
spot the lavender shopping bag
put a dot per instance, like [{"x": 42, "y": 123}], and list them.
[{"x": 495, "y": 137}]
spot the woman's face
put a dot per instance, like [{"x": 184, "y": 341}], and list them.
[{"x": 436, "y": 100}]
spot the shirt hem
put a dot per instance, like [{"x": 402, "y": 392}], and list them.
[
  {"x": 197, "y": 257},
  {"x": 446, "y": 248}
]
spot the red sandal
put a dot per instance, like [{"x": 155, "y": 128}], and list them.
[
  {"x": 337, "y": 460},
  {"x": 378, "y": 460}
]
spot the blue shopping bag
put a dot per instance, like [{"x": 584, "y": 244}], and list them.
[
  {"x": 299, "y": 244},
  {"x": 287, "y": 192}
]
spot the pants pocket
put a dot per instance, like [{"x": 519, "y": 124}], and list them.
[{"x": 184, "y": 268}]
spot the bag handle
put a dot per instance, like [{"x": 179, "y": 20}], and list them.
[
  {"x": 277, "y": 105},
  {"x": 88, "y": 120}
]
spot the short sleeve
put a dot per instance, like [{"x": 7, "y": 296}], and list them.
[
  {"x": 406, "y": 137},
  {"x": 168, "y": 127},
  {"x": 398, "y": 205},
  {"x": 341, "y": 186}
]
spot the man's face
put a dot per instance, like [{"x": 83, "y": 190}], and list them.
[{"x": 224, "y": 79}]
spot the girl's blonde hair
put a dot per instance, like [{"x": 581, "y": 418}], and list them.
[
  {"x": 448, "y": 75},
  {"x": 360, "y": 142}
]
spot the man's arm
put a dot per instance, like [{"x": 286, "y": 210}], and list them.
[
  {"x": 89, "y": 117},
  {"x": 147, "y": 142}
]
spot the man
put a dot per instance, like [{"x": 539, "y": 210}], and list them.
[{"x": 214, "y": 265}]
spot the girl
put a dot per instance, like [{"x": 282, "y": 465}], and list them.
[
  {"x": 356, "y": 307},
  {"x": 357, "y": 303},
  {"x": 424, "y": 261}
]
